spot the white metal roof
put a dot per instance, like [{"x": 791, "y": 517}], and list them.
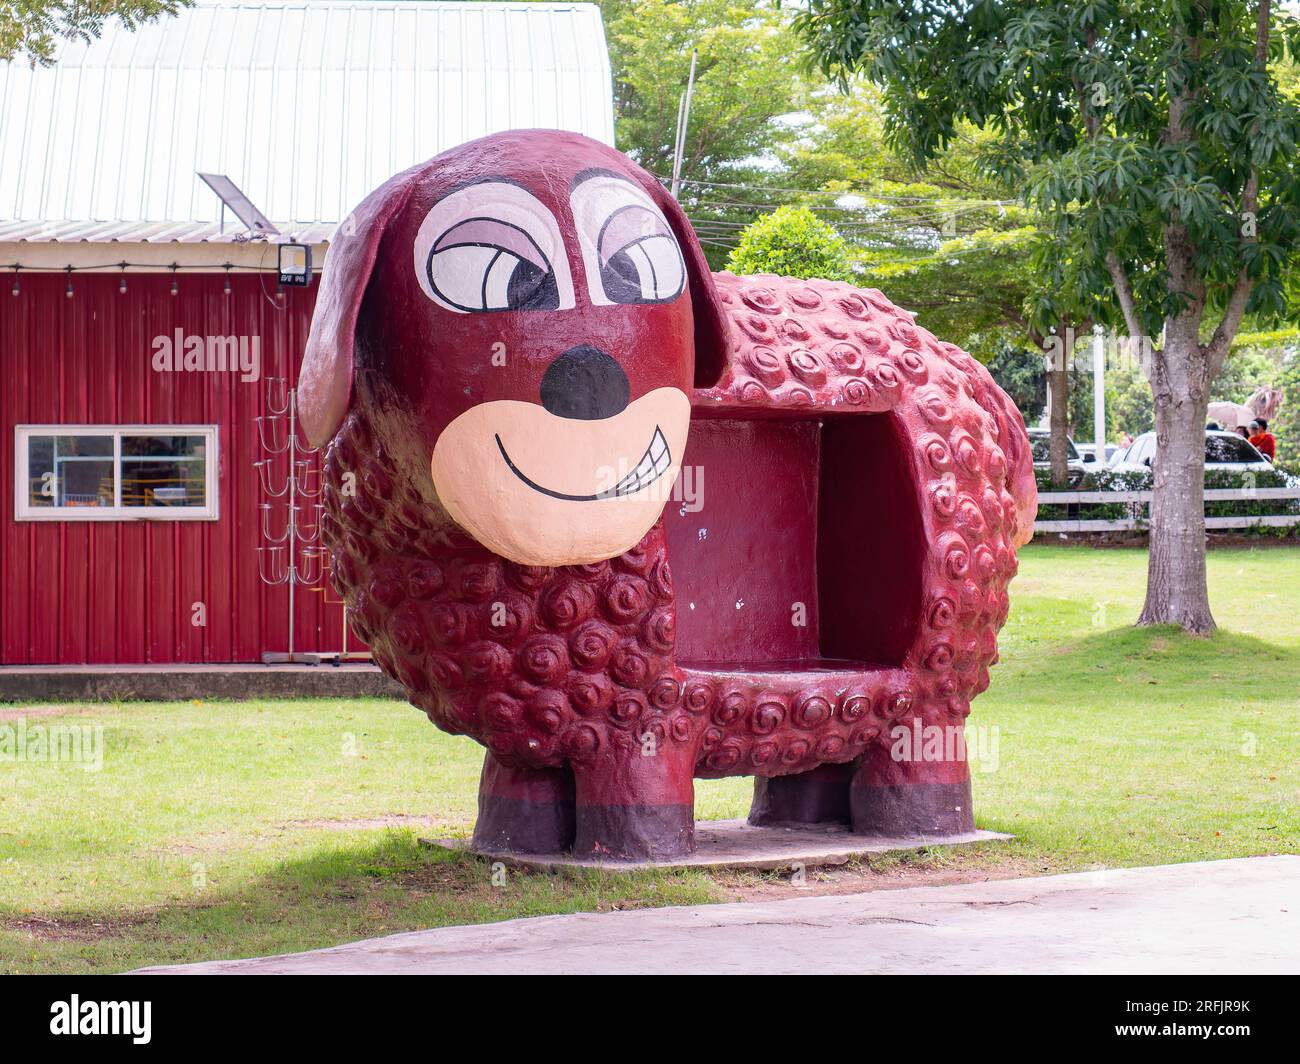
[
  {"x": 306, "y": 105},
  {"x": 233, "y": 232}
]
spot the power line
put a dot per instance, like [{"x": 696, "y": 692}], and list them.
[
  {"x": 838, "y": 193},
  {"x": 888, "y": 215}
]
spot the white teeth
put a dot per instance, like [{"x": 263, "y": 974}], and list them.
[{"x": 653, "y": 464}]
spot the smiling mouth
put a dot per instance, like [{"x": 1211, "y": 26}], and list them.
[{"x": 654, "y": 463}]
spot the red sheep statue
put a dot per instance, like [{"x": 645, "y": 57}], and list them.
[{"x": 535, "y": 394}]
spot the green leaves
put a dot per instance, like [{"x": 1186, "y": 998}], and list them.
[
  {"x": 792, "y": 242},
  {"x": 1125, "y": 120},
  {"x": 748, "y": 74},
  {"x": 1195, "y": 203},
  {"x": 30, "y": 29}
]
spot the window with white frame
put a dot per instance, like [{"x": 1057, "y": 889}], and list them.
[{"x": 115, "y": 472}]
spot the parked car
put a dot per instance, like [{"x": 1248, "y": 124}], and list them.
[
  {"x": 1088, "y": 452},
  {"x": 1040, "y": 442},
  {"x": 1223, "y": 450}
]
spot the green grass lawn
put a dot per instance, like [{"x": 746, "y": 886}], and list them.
[{"x": 234, "y": 829}]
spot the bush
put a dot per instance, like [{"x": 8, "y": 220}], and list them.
[
  {"x": 1140, "y": 480},
  {"x": 792, "y": 242},
  {"x": 1096, "y": 480}
]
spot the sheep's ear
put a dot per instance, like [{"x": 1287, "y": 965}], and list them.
[
  {"x": 712, "y": 333},
  {"x": 325, "y": 381}
]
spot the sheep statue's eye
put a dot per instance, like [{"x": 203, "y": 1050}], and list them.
[
  {"x": 639, "y": 258},
  {"x": 483, "y": 264}
]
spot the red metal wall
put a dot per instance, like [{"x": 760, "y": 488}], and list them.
[{"x": 95, "y": 591}]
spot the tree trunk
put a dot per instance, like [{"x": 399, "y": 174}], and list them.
[
  {"x": 1058, "y": 425},
  {"x": 1176, "y": 586}
]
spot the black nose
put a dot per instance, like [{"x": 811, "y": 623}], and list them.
[{"x": 585, "y": 383}]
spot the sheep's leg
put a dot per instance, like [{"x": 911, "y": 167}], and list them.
[
  {"x": 636, "y": 803},
  {"x": 523, "y": 810},
  {"x": 910, "y": 796},
  {"x": 818, "y": 796}
]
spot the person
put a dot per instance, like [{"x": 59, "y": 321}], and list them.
[
  {"x": 1244, "y": 432},
  {"x": 1213, "y": 426},
  {"x": 1263, "y": 440}
]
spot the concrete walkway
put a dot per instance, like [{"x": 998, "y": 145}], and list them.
[{"x": 1240, "y": 916}]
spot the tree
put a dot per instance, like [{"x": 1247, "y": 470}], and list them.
[
  {"x": 31, "y": 28},
  {"x": 748, "y": 76},
  {"x": 1287, "y": 425},
  {"x": 1256, "y": 358},
  {"x": 1255, "y": 361},
  {"x": 949, "y": 241},
  {"x": 1160, "y": 151},
  {"x": 792, "y": 242},
  {"x": 971, "y": 285},
  {"x": 1020, "y": 374},
  {"x": 1129, "y": 405}
]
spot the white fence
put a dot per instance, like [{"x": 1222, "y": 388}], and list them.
[{"x": 1137, "y": 500}]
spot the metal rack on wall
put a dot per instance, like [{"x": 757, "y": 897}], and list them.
[{"x": 296, "y": 558}]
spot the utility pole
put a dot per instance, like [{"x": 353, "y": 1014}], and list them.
[
  {"x": 683, "y": 118},
  {"x": 1099, "y": 392}
]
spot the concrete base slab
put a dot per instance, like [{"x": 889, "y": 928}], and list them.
[
  {"x": 1217, "y": 917},
  {"x": 173, "y": 683},
  {"x": 737, "y": 844}
]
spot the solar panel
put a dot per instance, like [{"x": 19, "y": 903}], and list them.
[{"x": 242, "y": 206}]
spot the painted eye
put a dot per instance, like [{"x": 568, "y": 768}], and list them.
[
  {"x": 639, "y": 258},
  {"x": 483, "y": 264}
]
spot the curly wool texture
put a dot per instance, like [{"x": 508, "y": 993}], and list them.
[{"x": 553, "y": 666}]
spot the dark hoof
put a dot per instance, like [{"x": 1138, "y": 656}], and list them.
[
  {"x": 900, "y": 810},
  {"x": 635, "y": 832},
  {"x": 519, "y": 825},
  {"x": 819, "y": 796}
]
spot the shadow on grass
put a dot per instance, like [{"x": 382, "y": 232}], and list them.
[
  {"x": 1165, "y": 656},
  {"x": 339, "y": 894}
]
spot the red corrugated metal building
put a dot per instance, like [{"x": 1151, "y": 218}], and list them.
[
  {"x": 84, "y": 589},
  {"x": 133, "y": 504}
]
